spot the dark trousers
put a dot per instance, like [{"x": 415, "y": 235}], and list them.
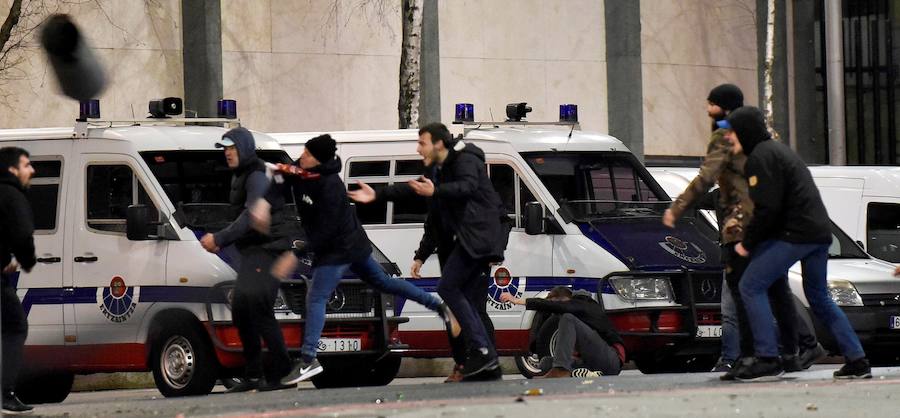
[
  {"x": 254, "y": 316},
  {"x": 461, "y": 280},
  {"x": 794, "y": 332},
  {"x": 14, "y": 332},
  {"x": 477, "y": 297},
  {"x": 595, "y": 354}
]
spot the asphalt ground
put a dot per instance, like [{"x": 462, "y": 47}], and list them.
[{"x": 811, "y": 393}]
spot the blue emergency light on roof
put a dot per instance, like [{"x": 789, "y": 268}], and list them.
[
  {"x": 465, "y": 112},
  {"x": 89, "y": 109},
  {"x": 568, "y": 113},
  {"x": 227, "y": 108}
]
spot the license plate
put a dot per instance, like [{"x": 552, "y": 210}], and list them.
[
  {"x": 709, "y": 331},
  {"x": 339, "y": 345},
  {"x": 895, "y": 322}
]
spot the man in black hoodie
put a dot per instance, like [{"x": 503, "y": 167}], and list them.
[
  {"x": 338, "y": 243},
  {"x": 16, "y": 240},
  {"x": 583, "y": 327},
  {"x": 255, "y": 291},
  {"x": 470, "y": 215},
  {"x": 789, "y": 224}
]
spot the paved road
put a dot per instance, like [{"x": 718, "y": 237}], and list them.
[{"x": 812, "y": 393}]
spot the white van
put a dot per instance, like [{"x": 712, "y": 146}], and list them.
[
  {"x": 863, "y": 286},
  {"x": 122, "y": 283},
  {"x": 586, "y": 215},
  {"x": 865, "y": 202}
]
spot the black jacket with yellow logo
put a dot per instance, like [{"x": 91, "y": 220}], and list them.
[{"x": 787, "y": 204}]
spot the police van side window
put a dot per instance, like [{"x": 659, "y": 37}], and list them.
[
  {"x": 44, "y": 193},
  {"x": 883, "y": 231},
  {"x": 512, "y": 190},
  {"x": 379, "y": 174},
  {"x": 110, "y": 190}
]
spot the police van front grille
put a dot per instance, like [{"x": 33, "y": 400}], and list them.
[
  {"x": 881, "y": 299},
  {"x": 349, "y": 300}
]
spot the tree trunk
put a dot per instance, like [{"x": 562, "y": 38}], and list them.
[
  {"x": 768, "y": 100},
  {"x": 408, "y": 103},
  {"x": 15, "y": 11}
]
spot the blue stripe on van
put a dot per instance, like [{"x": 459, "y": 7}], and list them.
[{"x": 148, "y": 294}]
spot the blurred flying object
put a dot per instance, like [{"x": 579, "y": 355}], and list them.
[{"x": 78, "y": 71}]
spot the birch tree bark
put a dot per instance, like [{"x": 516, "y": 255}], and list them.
[
  {"x": 408, "y": 103},
  {"x": 769, "y": 88}
]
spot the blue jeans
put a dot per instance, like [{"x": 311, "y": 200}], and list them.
[
  {"x": 326, "y": 278},
  {"x": 770, "y": 261},
  {"x": 731, "y": 336}
]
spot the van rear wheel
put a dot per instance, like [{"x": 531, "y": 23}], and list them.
[
  {"x": 53, "y": 388},
  {"x": 182, "y": 361}
]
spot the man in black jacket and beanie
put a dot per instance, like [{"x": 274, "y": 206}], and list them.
[
  {"x": 789, "y": 224},
  {"x": 255, "y": 291},
  {"x": 470, "y": 216},
  {"x": 583, "y": 327},
  {"x": 16, "y": 240},
  {"x": 338, "y": 242}
]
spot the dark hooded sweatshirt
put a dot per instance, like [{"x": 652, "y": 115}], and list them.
[
  {"x": 787, "y": 204},
  {"x": 333, "y": 231},
  {"x": 586, "y": 310},
  {"x": 16, "y": 225},
  {"x": 469, "y": 207},
  {"x": 248, "y": 184}
]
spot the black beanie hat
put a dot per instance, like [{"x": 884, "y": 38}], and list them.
[
  {"x": 749, "y": 124},
  {"x": 322, "y": 147},
  {"x": 726, "y": 96}
]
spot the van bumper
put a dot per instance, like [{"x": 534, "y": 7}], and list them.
[{"x": 872, "y": 326}]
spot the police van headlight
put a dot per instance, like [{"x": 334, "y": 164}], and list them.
[
  {"x": 635, "y": 289},
  {"x": 281, "y": 303},
  {"x": 844, "y": 293}
]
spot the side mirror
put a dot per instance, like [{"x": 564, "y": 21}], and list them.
[
  {"x": 137, "y": 223},
  {"x": 861, "y": 245},
  {"x": 534, "y": 218}
]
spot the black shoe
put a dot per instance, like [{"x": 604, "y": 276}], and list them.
[
  {"x": 276, "y": 385},
  {"x": 13, "y": 406},
  {"x": 809, "y": 356},
  {"x": 480, "y": 360},
  {"x": 246, "y": 385},
  {"x": 723, "y": 366},
  {"x": 450, "y": 322},
  {"x": 856, "y": 369},
  {"x": 736, "y": 368},
  {"x": 302, "y": 370},
  {"x": 791, "y": 363},
  {"x": 761, "y": 369}
]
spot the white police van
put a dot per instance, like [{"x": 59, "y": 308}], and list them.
[
  {"x": 586, "y": 215},
  {"x": 865, "y": 202},
  {"x": 863, "y": 286},
  {"x": 122, "y": 283}
]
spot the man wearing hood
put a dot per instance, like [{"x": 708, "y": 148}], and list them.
[
  {"x": 338, "y": 242},
  {"x": 470, "y": 214},
  {"x": 734, "y": 209},
  {"x": 252, "y": 305},
  {"x": 789, "y": 224},
  {"x": 16, "y": 240},
  {"x": 583, "y": 328}
]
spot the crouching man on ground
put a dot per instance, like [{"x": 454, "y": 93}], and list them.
[{"x": 584, "y": 329}]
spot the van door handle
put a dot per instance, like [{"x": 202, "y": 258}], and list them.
[
  {"x": 49, "y": 260},
  {"x": 80, "y": 259}
]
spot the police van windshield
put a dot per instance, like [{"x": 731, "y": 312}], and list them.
[
  {"x": 842, "y": 246},
  {"x": 598, "y": 184},
  {"x": 199, "y": 183}
]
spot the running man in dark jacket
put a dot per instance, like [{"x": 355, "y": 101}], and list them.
[
  {"x": 471, "y": 216},
  {"x": 338, "y": 242},
  {"x": 16, "y": 240},
  {"x": 583, "y": 327},
  {"x": 255, "y": 291},
  {"x": 789, "y": 224}
]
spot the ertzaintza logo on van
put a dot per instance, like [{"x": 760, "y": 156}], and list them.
[
  {"x": 687, "y": 251},
  {"x": 118, "y": 301},
  {"x": 501, "y": 283}
]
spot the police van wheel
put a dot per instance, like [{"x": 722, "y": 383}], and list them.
[
  {"x": 529, "y": 365},
  {"x": 45, "y": 389},
  {"x": 183, "y": 362},
  {"x": 381, "y": 372}
]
